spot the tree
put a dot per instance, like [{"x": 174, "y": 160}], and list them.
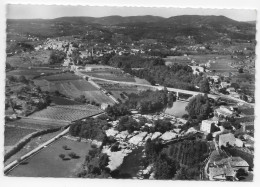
[
  {"x": 204, "y": 86},
  {"x": 198, "y": 107},
  {"x": 103, "y": 160},
  {"x": 165, "y": 168},
  {"x": 62, "y": 156},
  {"x": 73, "y": 155},
  {"x": 235, "y": 85},
  {"x": 12, "y": 79},
  {"x": 22, "y": 79},
  {"x": 57, "y": 57},
  {"x": 65, "y": 147},
  {"x": 209, "y": 137}
]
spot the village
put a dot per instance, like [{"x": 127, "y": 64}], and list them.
[{"x": 90, "y": 106}]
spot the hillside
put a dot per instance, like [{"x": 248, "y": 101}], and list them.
[{"x": 175, "y": 29}]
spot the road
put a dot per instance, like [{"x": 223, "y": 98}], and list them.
[{"x": 161, "y": 87}]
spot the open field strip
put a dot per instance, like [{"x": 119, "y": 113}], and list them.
[{"x": 14, "y": 164}]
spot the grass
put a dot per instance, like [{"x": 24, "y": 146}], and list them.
[
  {"x": 62, "y": 101},
  {"x": 48, "y": 164},
  {"x": 61, "y": 77},
  {"x": 31, "y": 73},
  {"x": 34, "y": 124},
  {"x": 115, "y": 75},
  {"x": 34, "y": 142},
  {"x": 13, "y": 134}
]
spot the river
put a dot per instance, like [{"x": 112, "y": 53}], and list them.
[{"x": 177, "y": 109}]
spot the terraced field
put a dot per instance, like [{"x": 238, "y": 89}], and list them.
[{"x": 66, "y": 113}]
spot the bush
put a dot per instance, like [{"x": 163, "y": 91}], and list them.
[
  {"x": 65, "y": 147},
  {"x": 73, "y": 155},
  {"x": 62, "y": 156}
]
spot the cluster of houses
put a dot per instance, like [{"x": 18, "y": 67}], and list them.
[{"x": 222, "y": 166}]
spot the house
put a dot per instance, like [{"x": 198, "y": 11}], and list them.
[
  {"x": 215, "y": 78},
  {"x": 222, "y": 168},
  {"x": 223, "y": 111},
  {"x": 221, "y": 173},
  {"x": 224, "y": 84},
  {"x": 197, "y": 69},
  {"x": 206, "y": 125},
  {"x": 247, "y": 126},
  {"x": 231, "y": 89},
  {"x": 236, "y": 163},
  {"x": 104, "y": 106}
]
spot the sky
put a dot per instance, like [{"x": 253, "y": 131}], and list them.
[{"x": 55, "y": 11}]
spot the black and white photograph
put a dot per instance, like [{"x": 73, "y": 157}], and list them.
[{"x": 144, "y": 93}]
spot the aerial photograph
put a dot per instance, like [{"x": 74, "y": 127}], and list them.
[{"x": 129, "y": 93}]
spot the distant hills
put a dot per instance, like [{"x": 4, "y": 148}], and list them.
[
  {"x": 175, "y": 29},
  {"x": 118, "y": 20}
]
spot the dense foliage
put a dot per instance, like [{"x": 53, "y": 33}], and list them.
[
  {"x": 128, "y": 123},
  {"x": 57, "y": 57},
  {"x": 90, "y": 129},
  {"x": 117, "y": 110},
  {"x": 148, "y": 101},
  {"x": 96, "y": 165},
  {"x": 199, "y": 107}
]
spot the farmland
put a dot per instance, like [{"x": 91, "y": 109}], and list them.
[
  {"x": 219, "y": 63},
  {"x": 57, "y": 100},
  {"x": 32, "y": 144},
  {"x": 66, "y": 113},
  {"x": 34, "y": 58},
  {"x": 111, "y": 74},
  {"x": 14, "y": 134},
  {"x": 28, "y": 123},
  {"x": 32, "y": 72},
  {"x": 72, "y": 86},
  {"x": 47, "y": 163},
  {"x": 117, "y": 89}
]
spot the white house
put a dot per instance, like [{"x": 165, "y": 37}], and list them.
[{"x": 206, "y": 125}]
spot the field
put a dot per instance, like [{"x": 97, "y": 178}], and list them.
[
  {"x": 56, "y": 100},
  {"x": 47, "y": 163},
  {"x": 13, "y": 134},
  {"x": 28, "y": 123},
  {"x": 111, "y": 74},
  {"x": 34, "y": 58},
  {"x": 72, "y": 86},
  {"x": 66, "y": 113},
  {"x": 245, "y": 80},
  {"x": 219, "y": 63},
  {"x": 33, "y": 72},
  {"x": 32, "y": 144},
  {"x": 117, "y": 89}
]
